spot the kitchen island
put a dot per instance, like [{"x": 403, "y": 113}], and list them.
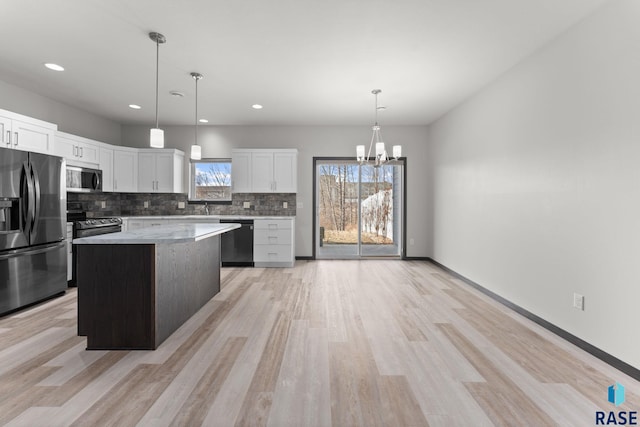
[{"x": 135, "y": 288}]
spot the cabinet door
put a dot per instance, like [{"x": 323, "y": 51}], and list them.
[
  {"x": 88, "y": 153},
  {"x": 5, "y": 132},
  {"x": 125, "y": 171},
  {"x": 241, "y": 172},
  {"x": 106, "y": 165},
  {"x": 262, "y": 172},
  {"x": 65, "y": 147},
  {"x": 30, "y": 137},
  {"x": 146, "y": 172},
  {"x": 164, "y": 173},
  {"x": 285, "y": 172}
]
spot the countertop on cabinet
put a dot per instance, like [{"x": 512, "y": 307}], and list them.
[{"x": 176, "y": 233}]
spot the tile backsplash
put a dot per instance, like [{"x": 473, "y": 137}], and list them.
[{"x": 133, "y": 204}]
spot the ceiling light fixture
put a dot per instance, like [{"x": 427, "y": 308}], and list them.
[
  {"x": 156, "y": 135},
  {"x": 54, "y": 67},
  {"x": 256, "y": 107},
  {"x": 381, "y": 152},
  {"x": 135, "y": 106},
  {"x": 203, "y": 121},
  {"x": 196, "y": 150}
]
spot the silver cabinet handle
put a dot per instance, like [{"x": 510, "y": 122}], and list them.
[
  {"x": 75, "y": 151},
  {"x": 8, "y": 141},
  {"x": 16, "y": 141},
  {"x": 115, "y": 184},
  {"x": 81, "y": 151}
]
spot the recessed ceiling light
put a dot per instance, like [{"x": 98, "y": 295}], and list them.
[
  {"x": 203, "y": 121},
  {"x": 176, "y": 94},
  {"x": 135, "y": 106},
  {"x": 54, "y": 67},
  {"x": 256, "y": 107}
]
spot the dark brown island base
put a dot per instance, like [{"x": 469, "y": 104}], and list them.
[{"x": 136, "y": 288}]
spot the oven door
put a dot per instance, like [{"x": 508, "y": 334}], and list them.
[{"x": 83, "y": 180}]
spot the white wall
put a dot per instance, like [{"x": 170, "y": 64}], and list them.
[
  {"x": 536, "y": 182},
  {"x": 68, "y": 119},
  {"x": 311, "y": 141}
]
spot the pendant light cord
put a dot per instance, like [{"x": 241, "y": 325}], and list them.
[
  {"x": 157, "y": 75},
  {"x": 196, "y": 110}
]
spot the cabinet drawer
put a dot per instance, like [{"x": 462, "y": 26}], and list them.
[
  {"x": 272, "y": 237},
  {"x": 272, "y": 224},
  {"x": 272, "y": 253}
]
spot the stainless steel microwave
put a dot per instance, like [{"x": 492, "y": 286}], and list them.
[{"x": 83, "y": 180}]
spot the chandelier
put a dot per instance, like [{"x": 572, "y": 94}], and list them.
[{"x": 381, "y": 156}]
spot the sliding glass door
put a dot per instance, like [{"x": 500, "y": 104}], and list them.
[{"x": 359, "y": 209}]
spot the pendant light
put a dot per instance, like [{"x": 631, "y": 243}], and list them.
[
  {"x": 196, "y": 150},
  {"x": 380, "y": 150},
  {"x": 156, "y": 135}
]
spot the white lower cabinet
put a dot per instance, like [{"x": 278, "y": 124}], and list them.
[{"x": 273, "y": 242}]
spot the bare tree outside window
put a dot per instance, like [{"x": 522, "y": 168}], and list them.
[
  {"x": 341, "y": 186},
  {"x": 211, "y": 179}
]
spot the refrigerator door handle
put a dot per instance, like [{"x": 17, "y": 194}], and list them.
[
  {"x": 35, "y": 211},
  {"x": 28, "y": 197}
]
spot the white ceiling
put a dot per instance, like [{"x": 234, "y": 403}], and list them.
[{"x": 306, "y": 61}]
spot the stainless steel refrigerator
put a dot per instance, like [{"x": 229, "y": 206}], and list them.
[{"x": 33, "y": 259}]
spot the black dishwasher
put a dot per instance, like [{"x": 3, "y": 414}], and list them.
[{"x": 237, "y": 245}]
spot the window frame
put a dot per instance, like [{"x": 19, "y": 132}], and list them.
[{"x": 192, "y": 181}]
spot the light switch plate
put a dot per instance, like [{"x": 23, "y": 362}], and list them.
[
  {"x": 246, "y": 205},
  {"x": 285, "y": 205},
  {"x": 146, "y": 204},
  {"x": 103, "y": 204}
]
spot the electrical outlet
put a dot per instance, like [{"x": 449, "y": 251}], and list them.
[
  {"x": 146, "y": 204},
  {"x": 246, "y": 205},
  {"x": 578, "y": 301},
  {"x": 412, "y": 242},
  {"x": 180, "y": 205},
  {"x": 285, "y": 205},
  {"x": 103, "y": 204}
]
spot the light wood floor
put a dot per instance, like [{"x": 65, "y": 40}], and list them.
[{"x": 341, "y": 343}]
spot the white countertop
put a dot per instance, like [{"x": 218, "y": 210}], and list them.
[
  {"x": 205, "y": 217},
  {"x": 176, "y": 233}
]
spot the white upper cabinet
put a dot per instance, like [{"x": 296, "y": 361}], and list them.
[
  {"x": 106, "y": 165},
  {"x": 77, "y": 150},
  {"x": 285, "y": 171},
  {"x": 25, "y": 133},
  {"x": 241, "y": 171},
  {"x": 160, "y": 171},
  {"x": 264, "y": 171},
  {"x": 125, "y": 170}
]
